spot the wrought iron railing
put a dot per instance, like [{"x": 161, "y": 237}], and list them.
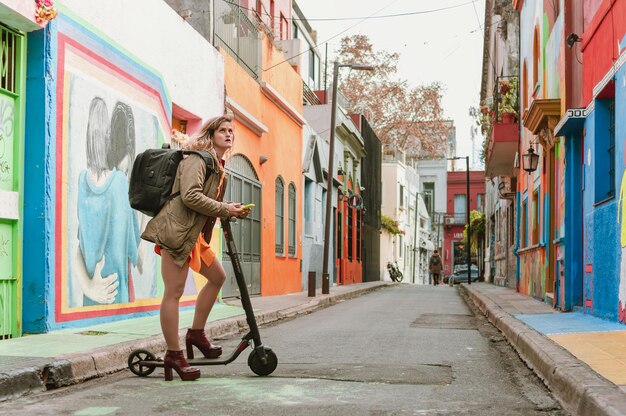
[
  {"x": 238, "y": 35},
  {"x": 308, "y": 96},
  {"x": 455, "y": 219},
  {"x": 505, "y": 97}
]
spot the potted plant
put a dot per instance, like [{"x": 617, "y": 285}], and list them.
[{"x": 507, "y": 105}]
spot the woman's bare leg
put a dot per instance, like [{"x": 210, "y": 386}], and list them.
[
  {"x": 215, "y": 277},
  {"x": 174, "y": 278}
]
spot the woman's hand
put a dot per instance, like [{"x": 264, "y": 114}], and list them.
[{"x": 235, "y": 210}]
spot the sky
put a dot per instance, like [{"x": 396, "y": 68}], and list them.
[{"x": 444, "y": 46}]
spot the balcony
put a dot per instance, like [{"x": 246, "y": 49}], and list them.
[
  {"x": 502, "y": 148},
  {"x": 238, "y": 35},
  {"x": 503, "y": 131},
  {"x": 450, "y": 220}
]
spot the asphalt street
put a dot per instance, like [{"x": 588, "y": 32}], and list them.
[{"x": 404, "y": 350}]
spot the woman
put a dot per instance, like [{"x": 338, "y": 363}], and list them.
[{"x": 182, "y": 231}]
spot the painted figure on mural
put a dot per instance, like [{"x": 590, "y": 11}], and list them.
[
  {"x": 621, "y": 218},
  {"x": 108, "y": 232}
]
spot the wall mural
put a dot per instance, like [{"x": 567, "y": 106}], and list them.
[{"x": 108, "y": 110}]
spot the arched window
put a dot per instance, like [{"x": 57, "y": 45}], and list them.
[
  {"x": 292, "y": 220},
  {"x": 536, "y": 62},
  {"x": 280, "y": 216}
]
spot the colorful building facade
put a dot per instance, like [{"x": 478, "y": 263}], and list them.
[
  {"x": 17, "y": 20},
  {"x": 99, "y": 91},
  {"x": 453, "y": 251},
  {"x": 594, "y": 129},
  {"x": 540, "y": 241}
]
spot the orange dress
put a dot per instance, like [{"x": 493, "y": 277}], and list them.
[{"x": 201, "y": 251}]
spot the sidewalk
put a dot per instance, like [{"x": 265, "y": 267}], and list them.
[
  {"x": 39, "y": 362},
  {"x": 582, "y": 359}
]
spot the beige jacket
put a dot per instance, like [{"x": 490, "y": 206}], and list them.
[{"x": 177, "y": 226}]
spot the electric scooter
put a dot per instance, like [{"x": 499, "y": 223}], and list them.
[{"x": 262, "y": 360}]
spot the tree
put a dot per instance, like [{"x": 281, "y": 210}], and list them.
[
  {"x": 477, "y": 221},
  {"x": 410, "y": 119}
]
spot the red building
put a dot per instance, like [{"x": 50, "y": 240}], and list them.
[{"x": 456, "y": 214}]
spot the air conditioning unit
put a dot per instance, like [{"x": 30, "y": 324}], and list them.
[{"x": 449, "y": 221}]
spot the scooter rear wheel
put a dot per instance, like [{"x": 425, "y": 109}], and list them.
[
  {"x": 134, "y": 362},
  {"x": 257, "y": 366}
]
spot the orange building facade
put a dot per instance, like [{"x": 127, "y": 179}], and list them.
[{"x": 267, "y": 167}]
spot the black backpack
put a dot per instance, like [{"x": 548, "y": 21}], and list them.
[{"x": 152, "y": 178}]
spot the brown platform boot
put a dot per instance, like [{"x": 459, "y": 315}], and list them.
[
  {"x": 197, "y": 338},
  {"x": 176, "y": 360}
]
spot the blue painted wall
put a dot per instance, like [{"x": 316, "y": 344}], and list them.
[
  {"x": 602, "y": 248},
  {"x": 573, "y": 222},
  {"x": 39, "y": 164}
]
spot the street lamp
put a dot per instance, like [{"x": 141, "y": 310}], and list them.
[
  {"x": 469, "y": 226},
  {"x": 530, "y": 160},
  {"x": 331, "y": 156}
]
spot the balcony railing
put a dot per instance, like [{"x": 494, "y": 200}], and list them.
[
  {"x": 238, "y": 35},
  {"x": 455, "y": 219},
  {"x": 505, "y": 98},
  {"x": 308, "y": 96}
]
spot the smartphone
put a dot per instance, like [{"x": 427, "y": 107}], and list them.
[{"x": 248, "y": 206}]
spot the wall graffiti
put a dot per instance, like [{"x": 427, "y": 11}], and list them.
[
  {"x": 108, "y": 110},
  {"x": 108, "y": 261}
]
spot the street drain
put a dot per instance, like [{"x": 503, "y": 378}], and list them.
[
  {"x": 444, "y": 321},
  {"x": 419, "y": 374}
]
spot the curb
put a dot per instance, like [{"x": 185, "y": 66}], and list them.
[
  {"x": 578, "y": 388},
  {"x": 79, "y": 367}
]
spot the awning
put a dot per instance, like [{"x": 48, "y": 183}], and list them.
[{"x": 572, "y": 122}]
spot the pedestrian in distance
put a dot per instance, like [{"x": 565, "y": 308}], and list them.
[
  {"x": 182, "y": 231},
  {"x": 434, "y": 266}
]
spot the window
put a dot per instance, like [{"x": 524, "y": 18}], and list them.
[
  {"x": 280, "y": 216},
  {"x": 283, "y": 27},
  {"x": 429, "y": 197},
  {"x": 292, "y": 220},
  {"x": 535, "y": 218},
  {"x": 536, "y": 51},
  {"x": 460, "y": 207},
  {"x": 350, "y": 229},
  {"x": 605, "y": 150},
  {"x": 401, "y": 195},
  {"x": 400, "y": 246},
  {"x": 312, "y": 58},
  {"x": 309, "y": 201}
]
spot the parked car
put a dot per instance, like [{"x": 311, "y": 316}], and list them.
[{"x": 460, "y": 274}]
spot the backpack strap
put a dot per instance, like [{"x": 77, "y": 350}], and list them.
[{"x": 210, "y": 167}]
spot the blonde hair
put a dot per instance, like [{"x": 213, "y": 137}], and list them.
[{"x": 203, "y": 139}]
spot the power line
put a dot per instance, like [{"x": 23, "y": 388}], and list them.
[
  {"x": 359, "y": 22},
  {"x": 335, "y": 19},
  {"x": 331, "y": 38}
]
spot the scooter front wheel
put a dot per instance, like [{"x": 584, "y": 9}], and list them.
[
  {"x": 256, "y": 363},
  {"x": 135, "y": 360}
]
